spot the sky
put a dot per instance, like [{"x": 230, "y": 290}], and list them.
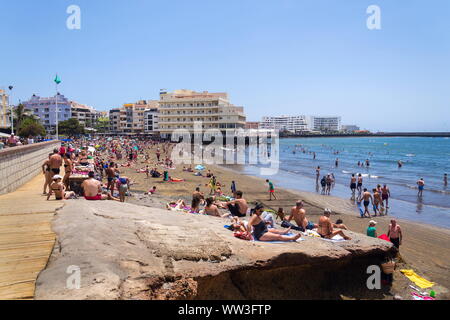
[{"x": 274, "y": 57}]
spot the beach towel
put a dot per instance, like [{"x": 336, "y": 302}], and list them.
[
  {"x": 384, "y": 237},
  {"x": 421, "y": 297},
  {"x": 418, "y": 280}
]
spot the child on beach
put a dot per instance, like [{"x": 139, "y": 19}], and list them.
[{"x": 371, "y": 229}]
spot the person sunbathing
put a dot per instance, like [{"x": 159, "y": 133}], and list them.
[
  {"x": 211, "y": 209},
  {"x": 176, "y": 205},
  {"x": 325, "y": 229},
  {"x": 262, "y": 233}
]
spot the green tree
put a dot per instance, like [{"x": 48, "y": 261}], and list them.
[
  {"x": 20, "y": 113},
  {"x": 31, "y": 127},
  {"x": 70, "y": 127}
]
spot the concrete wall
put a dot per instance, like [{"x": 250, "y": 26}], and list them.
[{"x": 19, "y": 165}]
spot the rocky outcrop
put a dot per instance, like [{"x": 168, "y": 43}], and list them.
[{"x": 125, "y": 251}]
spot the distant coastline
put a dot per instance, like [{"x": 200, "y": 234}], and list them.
[{"x": 378, "y": 134}]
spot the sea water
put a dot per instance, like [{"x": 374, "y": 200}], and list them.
[{"x": 422, "y": 157}]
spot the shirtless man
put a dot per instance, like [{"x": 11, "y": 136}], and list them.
[
  {"x": 421, "y": 185},
  {"x": 237, "y": 207},
  {"x": 360, "y": 183},
  {"x": 376, "y": 201},
  {"x": 367, "y": 197},
  {"x": 385, "y": 195},
  {"x": 353, "y": 185},
  {"x": 317, "y": 174},
  {"x": 395, "y": 233},
  {"x": 111, "y": 176},
  {"x": 55, "y": 162},
  {"x": 298, "y": 213},
  {"x": 445, "y": 180},
  {"x": 93, "y": 189},
  {"x": 325, "y": 227}
]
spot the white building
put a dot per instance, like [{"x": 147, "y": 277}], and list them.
[
  {"x": 181, "y": 108},
  {"x": 4, "y": 108},
  {"x": 151, "y": 121},
  {"x": 293, "y": 124},
  {"x": 325, "y": 123},
  {"x": 85, "y": 115}
]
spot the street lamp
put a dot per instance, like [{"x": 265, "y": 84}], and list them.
[{"x": 11, "y": 108}]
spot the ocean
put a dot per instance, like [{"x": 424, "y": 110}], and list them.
[{"x": 422, "y": 157}]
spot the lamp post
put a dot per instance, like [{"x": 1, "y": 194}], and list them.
[
  {"x": 11, "y": 109},
  {"x": 57, "y": 81}
]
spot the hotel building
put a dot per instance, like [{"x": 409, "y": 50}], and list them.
[
  {"x": 181, "y": 108},
  {"x": 45, "y": 109}
]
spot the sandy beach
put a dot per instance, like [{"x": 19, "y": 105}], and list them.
[{"x": 425, "y": 248}]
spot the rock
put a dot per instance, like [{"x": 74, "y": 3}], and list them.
[{"x": 125, "y": 251}]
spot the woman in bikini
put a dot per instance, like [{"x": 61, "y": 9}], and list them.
[
  {"x": 47, "y": 174},
  {"x": 211, "y": 209},
  {"x": 68, "y": 167},
  {"x": 59, "y": 190},
  {"x": 325, "y": 229},
  {"x": 262, "y": 233}
]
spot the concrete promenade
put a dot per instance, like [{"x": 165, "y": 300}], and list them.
[{"x": 26, "y": 238}]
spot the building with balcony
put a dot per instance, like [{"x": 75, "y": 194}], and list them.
[
  {"x": 294, "y": 124},
  {"x": 130, "y": 119},
  {"x": 5, "y": 121},
  {"x": 324, "y": 124},
  {"x": 86, "y": 115},
  {"x": 151, "y": 121},
  {"x": 45, "y": 110},
  {"x": 181, "y": 108}
]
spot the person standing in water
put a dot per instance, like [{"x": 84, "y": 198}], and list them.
[
  {"x": 421, "y": 185},
  {"x": 353, "y": 185},
  {"x": 336, "y": 163},
  {"x": 385, "y": 195},
  {"x": 399, "y": 163},
  {"x": 445, "y": 180},
  {"x": 359, "y": 185},
  {"x": 317, "y": 174}
]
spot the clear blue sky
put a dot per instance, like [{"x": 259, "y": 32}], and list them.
[{"x": 273, "y": 57}]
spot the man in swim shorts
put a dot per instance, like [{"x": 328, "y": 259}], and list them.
[
  {"x": 367, "y": 198},
  {"x": 298, "y": 213},
  {"x": 385, "y": 194},
  {"x": 55, "y": 162}
]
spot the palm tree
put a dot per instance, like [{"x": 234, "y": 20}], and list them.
[{"x": 20, "y": 113}]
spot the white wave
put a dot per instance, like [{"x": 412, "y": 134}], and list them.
[{"x": 410, "y": 155}]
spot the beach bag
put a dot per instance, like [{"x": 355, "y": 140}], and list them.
[{"x": 242, "y": 235}]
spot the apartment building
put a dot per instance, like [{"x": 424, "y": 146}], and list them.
[
  {"x": 181, "y": 108},
  {"x": 4, "y": 106},
  {"x": 86, "y": 115},
  {"x": 294, "y": 124},
  {"x": 324, "y": 124},
  {"x": 45, "y": 109},
  {"x": 130, "y": 119},
  {"x": 151, "y": 121}
]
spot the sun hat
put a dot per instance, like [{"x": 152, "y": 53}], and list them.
[{"x": 372, "y": 222}]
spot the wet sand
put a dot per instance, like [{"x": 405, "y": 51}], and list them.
[{"x": 425, "y": 248}]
